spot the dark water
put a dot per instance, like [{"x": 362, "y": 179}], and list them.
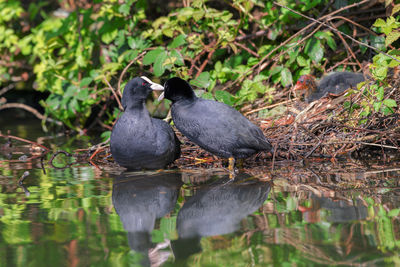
[{"x": 84, "y": 216}]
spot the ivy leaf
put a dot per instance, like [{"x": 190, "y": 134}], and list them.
[
  {"x": 198, "y": 14},
  {"x": 203, "y": 81},
  {"x": 394, "y": 212},
  {"x": 391, "y": 103},
  {"x": 380, "y": 94},
  {"x": 302, "y": 61},
  {"x": 378, "y": 42},
  {"x": 207, "y": 95},
  {"x": 377, "y": 106},
  {"x": 315, "y": 50},
  {"x": 225, "y": 97},
  {"x": 286, "y": 77},
  {"x": 130, "y": 55},
  {"x": 109, "y": 36},
  {"x": 380, "y": 23},
  {"x": 86, "y": 81},
  {"x": 392, "y": 37},
  {"x": 331, "y": 42},
  {"x": 178, "y": 41},
  {"x": 105, "y": 135},
  {"x": 124, "y": 9},
  {"x": 151, "y": 56},
  {"x": 159, "y": 66},
  {"x": 395, "y": 9},
  {"x": 275, "y": 70}
]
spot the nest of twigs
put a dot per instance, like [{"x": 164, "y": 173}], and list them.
[{"x": 329, "y": 128}]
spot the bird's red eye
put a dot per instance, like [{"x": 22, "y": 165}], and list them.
[{"x": 143, "y": 83}]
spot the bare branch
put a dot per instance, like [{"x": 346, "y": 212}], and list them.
[{"x": 31, "y": 110}]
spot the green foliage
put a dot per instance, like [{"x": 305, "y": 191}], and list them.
[
  {"x": 375, "y": 96},
  {"x": 71, "y": 57}
]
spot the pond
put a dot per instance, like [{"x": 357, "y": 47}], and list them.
[{"x": 311, "y": 214}]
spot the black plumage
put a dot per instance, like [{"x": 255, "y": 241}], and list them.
[
  {"x": 214, "y": 126},
  {"x": 139, "y": 141}
]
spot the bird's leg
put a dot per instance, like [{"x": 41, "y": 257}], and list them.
[
  {"x": 240, "y": 163},
  {"x": 231, "y": 167}
]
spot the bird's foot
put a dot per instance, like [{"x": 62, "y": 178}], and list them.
[{"x": 231, "y": 168}]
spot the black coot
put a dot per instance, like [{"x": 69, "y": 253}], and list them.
[
  {"x": 214, "y": 126},
  {"x": 333, "y": 83},
  {"x": 139, "y": 141}
]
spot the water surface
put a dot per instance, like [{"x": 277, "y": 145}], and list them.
[{"x": 318, "y": 214}]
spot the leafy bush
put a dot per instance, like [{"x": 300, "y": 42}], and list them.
[{"x": 238, "y": 51}]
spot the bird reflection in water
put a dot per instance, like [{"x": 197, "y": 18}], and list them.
[
  {"x": 217, "y": 210},
  {"x": 340, "y": 210},
  {"x": 141, "y": 199}
]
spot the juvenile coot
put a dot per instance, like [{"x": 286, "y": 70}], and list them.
[
  {"x": 214, "y": 126},
  {"x": 139, "y": 141},
  {"x": 334, "y": 83}
]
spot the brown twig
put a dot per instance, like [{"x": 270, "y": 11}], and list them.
[
  {"x": 349, "y": 50},
  {"x": 354, "y": 23},
  {"x": 297, "y": 44},
  {"x": 23, "y": 140},
  {"x": 247, "y": 49},
  {"x": 6, "y": 89},
  {"x": 126, "y": 68},
  {"x": 24, "y": 175},
  {"x": 264, "y": 59},
  {"x": 114, "y": 93},
  {"x": 31, "y": 110},
  {"x": 336, "y": 30},
  {"x": 210, "y": 53},
  {"x": 193, "y": 62},
  {"x": 252, "y": 35},
  {"x": 270, "y": 106}
]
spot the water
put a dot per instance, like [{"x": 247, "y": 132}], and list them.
[{"x": 318, "y": 214}]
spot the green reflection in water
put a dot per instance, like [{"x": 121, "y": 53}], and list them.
[
  {"x": 70, "y": 218},
  {"x": 67, "y": 219}
]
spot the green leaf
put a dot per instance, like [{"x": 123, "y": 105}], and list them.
[
  {"x": 105, "y": 135},
  {"x": 198, "y": 14},
  {"x": 276, "y": 70},
  {"x": 159, "y": 66},
  {"x": 178, "y": 41},
  {"x": 86, "y": 81},
  {"x": 130, "y": 54},
  {"x": 207, "y": 95},
  {"x": 315, "y": 50},
  {"x": 225, "y": 97},
  {"x": 331, "y": 42},
  {"x": 378, "y": 42},
  {"x": 286, "y": 77},
  {"x": 380, "y": 94},
  {"x": 379, "y": 23},
  {"x": 395, "y": 9},
  {"x": 302, "y": 61},
  {"x": 152, "y": 55},
  {"x": 394, "y": 212},
  {"x": 390, "y": 103},
  {"x": 109, "y": 36},
  {"x": 380, "y": 72},
  {"x": 179, "y": 58},
  {"x": 83, "y": 94},
  {"x": 387, "y": 111},
  {"x": 124, "y": 9},
  {"x": 377, "y": 106},
  {"x": 392, "y": 37},
  {"x": 203, "y": 81}
]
